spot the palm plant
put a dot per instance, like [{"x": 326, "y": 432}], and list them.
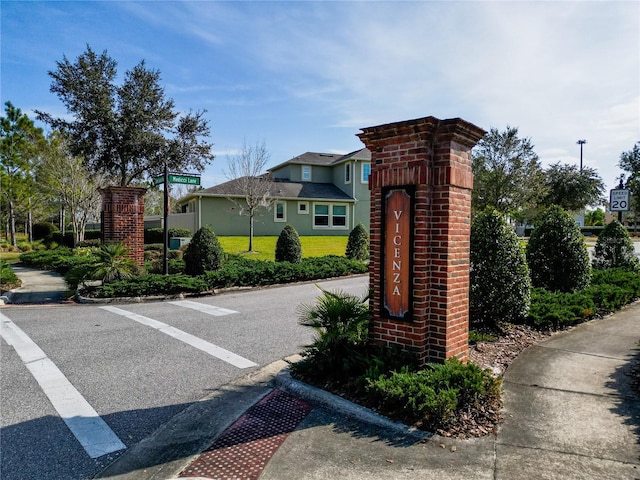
[
  {"x": 113, "y": 263},
  {"x": 341, "y": 322}
]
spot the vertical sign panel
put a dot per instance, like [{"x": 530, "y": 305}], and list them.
[{"x": 397, "y": 253}]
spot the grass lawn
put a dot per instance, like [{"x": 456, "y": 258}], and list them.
[
  {"x": 10, "y": 257},
  {"x": 265, "y": 247}
]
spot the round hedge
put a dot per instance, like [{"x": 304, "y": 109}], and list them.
[
  {"x": 500, "y": 287},
  {"x": 614, "y": 248},
  {"x": 358, "y": 244},
  {"x": 288, "y": 248},
  {"x": 556, "y": 253},
  {"x": 204, "y": 253}
]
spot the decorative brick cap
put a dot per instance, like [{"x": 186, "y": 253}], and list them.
[
  {"x": 118, "y": 189},
  {"x": 425, "y": 128}
]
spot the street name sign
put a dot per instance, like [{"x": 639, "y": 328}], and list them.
[{"x": 184, "y": 179}]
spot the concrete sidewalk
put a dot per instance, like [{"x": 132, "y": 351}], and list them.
[
  {"x": 570, "y": 413},
  {"x": 38, "y": 287}
]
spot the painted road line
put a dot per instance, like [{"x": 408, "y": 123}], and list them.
[
  {"x": 210, "y": 348},
  {"x": 201, "y": 307},
  {"x": 87, "y": 426}
]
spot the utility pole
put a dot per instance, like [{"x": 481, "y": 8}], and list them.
[{"x": 581, "y": 143}]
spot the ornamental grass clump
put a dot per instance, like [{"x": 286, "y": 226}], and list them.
[{"x": 556, "y": 253}]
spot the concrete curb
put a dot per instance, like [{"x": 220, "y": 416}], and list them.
[
  {"x": 328, "y": 401},
  {"x": 5, "y": 298}
]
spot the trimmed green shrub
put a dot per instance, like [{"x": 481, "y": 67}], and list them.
[
  {"x": 433, "y": 396},
  {"x": 288, "y": 248},
  {"x": 556, "y": 253},
  {"x": 358, "y": 244},
  {"x": 204, "y": 253},
  {"x": 42, "y": 230},
  {"x": 8, "y": 278},
  {"x": 500, "y": 287},
  {"x": 614, "y": 248}
]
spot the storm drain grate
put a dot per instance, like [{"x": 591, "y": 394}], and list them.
[{"x": 245, "y": 448}]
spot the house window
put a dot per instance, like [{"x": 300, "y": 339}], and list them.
[
  {"x": 306, "y": 173},
  {"x": 347, "y": 173},
  {"x": 303, "y": 208},
  {"x": 280, "y": 212},
  {"x": 366, "y": 171},
  {"x": 329, "y": 216},
  {"x": 339, "y": 217},
  {"x": 321, "y": 215}
]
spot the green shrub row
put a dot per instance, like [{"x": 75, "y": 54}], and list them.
[
  {"x": 609, "y": 291},
  {"x": 237, "y": 271},
  {"x": 66, "y": 240},
  {"x": 61, "y": 259},
  {"x": 151, "y": 284},
  {"x": 241, "y": 272}
]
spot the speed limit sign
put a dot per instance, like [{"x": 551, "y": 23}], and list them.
[{"x": 619, "y": 200}]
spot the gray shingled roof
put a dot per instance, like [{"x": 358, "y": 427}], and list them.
[
  {"x": 324, "y": 159},
  {"x": 283, "y": 189}
]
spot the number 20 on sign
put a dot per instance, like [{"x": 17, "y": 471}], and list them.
[{"x": 619, "y": 200}]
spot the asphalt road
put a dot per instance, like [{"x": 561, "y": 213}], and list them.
[{"x": 135, "y": 366}]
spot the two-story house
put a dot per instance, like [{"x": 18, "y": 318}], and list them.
[{"x": 316, "y": 193}]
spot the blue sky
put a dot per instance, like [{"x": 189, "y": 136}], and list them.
[{"x": 307, "y": 76}]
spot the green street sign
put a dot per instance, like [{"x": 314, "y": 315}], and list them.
[
  {"x": 184, "y": 179},
  {"x": 158, "y": 180}
]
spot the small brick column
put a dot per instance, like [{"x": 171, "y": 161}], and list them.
[
  {"x": 420, "y": 184},
  {"x": 123, "y": 219}
]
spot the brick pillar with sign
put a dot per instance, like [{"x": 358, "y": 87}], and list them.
[
  {"x": 123, "y": 219},
  {"x": 420, "y": 186}
]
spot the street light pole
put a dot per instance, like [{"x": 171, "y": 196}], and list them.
[{"x": 581, "y": 143}]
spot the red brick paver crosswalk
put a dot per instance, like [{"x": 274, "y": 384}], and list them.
[{"x": 245, "y": 448}]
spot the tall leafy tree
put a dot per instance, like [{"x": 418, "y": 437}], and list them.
[
  {"x": 630, "y": 164},
  {"x": 507, "y": 173},
  {"x": 246, "y": 170},
  {"x": 20, "y": 142},
  {"x": 127, "y": 131},
  {"x": 63, "y": 176},
  {"x": 571, "y": 188}
]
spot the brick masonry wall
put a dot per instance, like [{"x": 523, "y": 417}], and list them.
[
  {"x": 434, "y": 156},
  {"x": 123, "y": 219}
]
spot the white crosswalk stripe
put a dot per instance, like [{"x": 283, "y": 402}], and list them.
[
  {"x": 210, "y": 348},
  {"x": 87, "y": 426},
  {"x": 201, "y": 307}
]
